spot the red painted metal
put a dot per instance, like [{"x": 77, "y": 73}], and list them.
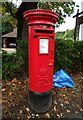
[{"x": 41, "y": 48}]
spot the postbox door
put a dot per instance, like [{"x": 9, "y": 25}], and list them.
[
  {"x": 45, "y": 62},
  {"x": 41, "y": 64}
]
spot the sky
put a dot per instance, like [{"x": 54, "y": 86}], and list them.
[{"x": 69, "y": 21}]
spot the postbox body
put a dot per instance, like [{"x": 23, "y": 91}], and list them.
[
  {"x": 41, "y": 33},
  {"x": 41, "y": 58}
]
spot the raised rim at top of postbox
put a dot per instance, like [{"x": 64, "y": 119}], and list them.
[{"x": 40, "y": 14}]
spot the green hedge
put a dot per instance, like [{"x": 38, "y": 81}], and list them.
[
  {"x": 68, "y": 56},
  {"x": 15, "y": 64},
  {"x": 9, "y": 66}
]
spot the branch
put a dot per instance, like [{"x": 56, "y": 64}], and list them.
[{"x": 10, "y": 9}]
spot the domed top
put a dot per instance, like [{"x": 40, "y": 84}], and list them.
[
  {"x": 40, "y": 12},
  {"x": 40, "y": 15}
]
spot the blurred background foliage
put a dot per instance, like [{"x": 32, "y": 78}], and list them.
[
  {"x": 63, "y": 9},
  {"x": 9, "y": 21},
  {"x": 9, "y": 9},
  {"x": 65, "y": 35}
]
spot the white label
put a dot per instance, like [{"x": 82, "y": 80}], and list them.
[{"x": 43, "y": 49}]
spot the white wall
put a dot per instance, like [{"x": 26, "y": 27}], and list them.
[{"x": 81, "y": 26}]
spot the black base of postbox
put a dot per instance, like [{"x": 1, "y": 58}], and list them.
[{"x": 40, "y": 102}]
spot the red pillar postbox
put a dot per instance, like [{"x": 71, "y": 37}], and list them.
[{"x": 41, "y": 32}]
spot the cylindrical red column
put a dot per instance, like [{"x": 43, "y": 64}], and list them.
[{"x": 41, "y": 32}]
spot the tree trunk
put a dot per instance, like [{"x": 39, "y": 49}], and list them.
[{"x": 22, "y": 29}]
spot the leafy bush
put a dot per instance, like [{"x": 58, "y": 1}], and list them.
[
  {"x": 6, "y": 27},
  {"x": 22, "y": 54},
  {"x": 15, "y": 64},
  {"x": 68, "y": 55},
  {"x": 77, "y": 56},
  {"x": 9, "y": 66}
]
